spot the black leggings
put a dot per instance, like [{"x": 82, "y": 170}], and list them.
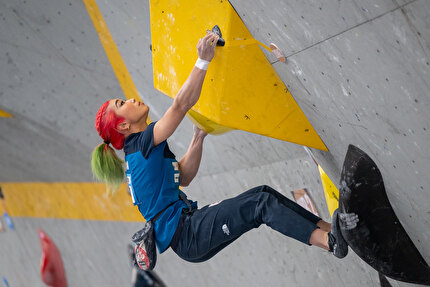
[{"x": 206, "y": 231}]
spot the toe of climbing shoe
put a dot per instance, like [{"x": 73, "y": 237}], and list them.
[{"x": 337, "y": 243}]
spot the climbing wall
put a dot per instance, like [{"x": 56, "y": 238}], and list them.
[{"x": 358, "y": 71}]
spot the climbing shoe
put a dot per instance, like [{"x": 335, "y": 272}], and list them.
[{"x": 336, "y": 242}]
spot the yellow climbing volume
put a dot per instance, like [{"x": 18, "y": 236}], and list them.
[{"x": 241, "y": 89}]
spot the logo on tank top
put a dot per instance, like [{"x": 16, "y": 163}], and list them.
[{"x": 176, "y": 168}]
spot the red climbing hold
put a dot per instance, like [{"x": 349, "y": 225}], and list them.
[{"x": 51, "y": 265}]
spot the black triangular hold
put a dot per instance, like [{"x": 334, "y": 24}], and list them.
[
  {"x": 379, "y": 238},
  {"x": 217, "y": 31}
]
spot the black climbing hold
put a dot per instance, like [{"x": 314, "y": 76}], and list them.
[
  {"x": 217, "y": 31},
  {"x": 379, "y": 239}
]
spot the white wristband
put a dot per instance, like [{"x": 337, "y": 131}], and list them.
[{"x": 202, "y": 64}]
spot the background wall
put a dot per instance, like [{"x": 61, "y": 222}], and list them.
[{"x": 359, "y": 71}]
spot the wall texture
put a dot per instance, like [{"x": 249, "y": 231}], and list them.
[{"x": 358, "y": 69}]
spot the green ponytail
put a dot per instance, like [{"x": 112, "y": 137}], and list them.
[{"x": 107, "y": 167}]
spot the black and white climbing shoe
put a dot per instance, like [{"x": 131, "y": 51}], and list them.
[{"x": 336, "y": 242}]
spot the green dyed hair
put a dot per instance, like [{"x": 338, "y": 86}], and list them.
[{"x": 107, "y": 167}]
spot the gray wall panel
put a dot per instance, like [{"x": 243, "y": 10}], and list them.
[{"x": 358, "y": 69}]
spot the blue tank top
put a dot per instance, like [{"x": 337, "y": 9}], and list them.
[{"x": 153, "y": 178}]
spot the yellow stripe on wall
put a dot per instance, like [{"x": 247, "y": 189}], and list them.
[
  {"x": 64, "y": 200},
  {"x": 3, "y": 114},
  {"x": 111, "y": 50},
  {"x": 115, "y": 59}
]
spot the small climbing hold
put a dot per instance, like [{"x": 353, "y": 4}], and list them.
[
  {"x": 217, "y": 30},
  {"x": 277, "y": 52}
]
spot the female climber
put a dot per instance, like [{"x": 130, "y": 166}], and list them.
[{"x": 154, "y": 177}]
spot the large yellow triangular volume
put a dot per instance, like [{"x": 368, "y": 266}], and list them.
[
  {"x": 330, "y": 191},
  {"x": 241, "y": 89}
]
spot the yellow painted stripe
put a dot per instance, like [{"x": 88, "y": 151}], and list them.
[
  {"x": 64, "y": 200},
  {"x": 3, "y": 114},
  {"x": 111, "y": 50},
  {"x": 115, "y": 59}
]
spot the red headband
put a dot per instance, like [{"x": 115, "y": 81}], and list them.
[
  {"x": 100, "y": 118},
  {"x": 106, "y": 123}
]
